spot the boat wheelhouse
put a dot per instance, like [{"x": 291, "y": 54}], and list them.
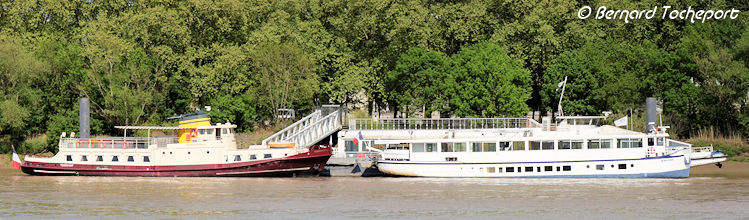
[{"x": 199, "y": 149}]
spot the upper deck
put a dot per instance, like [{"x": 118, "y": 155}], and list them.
[{"x": 442, "y": 123}]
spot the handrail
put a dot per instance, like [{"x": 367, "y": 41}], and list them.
[
  {"x": 442, "y": 123},
  {"x": 304, "y": 122},
  {"x": 330, "y": 118}
]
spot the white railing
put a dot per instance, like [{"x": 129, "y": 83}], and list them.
[
  {"x": 108, "y": 143},
  {"x": 441, "y": 123},
  {"x": 310, "y": 129}
]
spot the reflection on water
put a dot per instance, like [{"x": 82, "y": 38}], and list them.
[{"x": 303, "y": 198}]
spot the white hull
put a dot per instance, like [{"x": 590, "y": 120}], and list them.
[{"x": 657, "y": 167}]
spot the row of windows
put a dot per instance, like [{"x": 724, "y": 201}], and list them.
[
  {"x": 527, "y": 169},
  {"x": 250, "y": 157},
  {"x": 521, "y": 145},
  {"x": 100, "y": 158}
]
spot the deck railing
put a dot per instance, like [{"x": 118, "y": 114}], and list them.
[
  {"x": 116, "y": 142},
  {"x": 441, "y": 123}
]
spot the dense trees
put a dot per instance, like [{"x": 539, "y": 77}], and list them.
[{"x": 143, "y": 61}]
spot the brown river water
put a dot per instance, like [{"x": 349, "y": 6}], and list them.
[{"x": 707, "y": 194}]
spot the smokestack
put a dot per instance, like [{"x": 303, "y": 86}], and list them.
[
  {"x": 83, "y": 118},
  {"x": 650, "y": 105}
]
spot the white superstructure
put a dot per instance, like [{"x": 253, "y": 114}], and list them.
[{"x": 574, "y": 147}]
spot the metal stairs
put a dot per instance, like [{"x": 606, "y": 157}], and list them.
[{"x": 311, "y": 129}]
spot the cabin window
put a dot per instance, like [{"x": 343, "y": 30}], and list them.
[
  {"x": 146, "y": 159},
  {"x": 528, "y": 169},
  {"x": 535, "y": 145},
  {"x": 510, "y": 169},
  {"x": 69, "y": 157},
  {"x": 267, "y": 156},
  {"x": 518, "y": 145},
  {"x": 622, "y": 166},
  {"x": 483, "y": 147},
  {"x": 504, "y": 146},
  {"x": 224, "y": 130},
  {"x": 660, "y": 141},
  {"x": 130, "y": 159},
  {"x": 599, "y": 167},
  {"x": 99, "y": 158},
  {"x": 630, "y": 143},
  {"x": 351, "y": 147},
  {"x": 84, "y": 158},
  {"x": 566, "y": 168},
  {"x": 599, "y": 143},
  {"x": 459, "y": 147},
  {"x": 547, "y": 145},
  {"x": 397, "y": 146},
  {"x": 447, "y": 147},
  {"x": 571, "y": 144},
  {"x": 490, "y": 169},
  {"x": 548, "y": 168},
  {"x": 237, "y": 158},
  {"x": 431, "y": 147},
  {"x": 209, "y": 131},
  {"x": 115, "y": 159},
  {"x": 253, "y": 157},
  {"x": 202, "y": 131},
  {"x": 651, "y": 141},
  {"x": 418, "y": 147},
  {"x": 499, "y": 169}
]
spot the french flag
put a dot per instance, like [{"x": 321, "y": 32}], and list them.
[
  {"x": 358, "y": 138},
  {"x": 16, "y": 160}
]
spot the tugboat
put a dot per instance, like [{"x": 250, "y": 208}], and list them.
[{"x": 200, "y": 149}]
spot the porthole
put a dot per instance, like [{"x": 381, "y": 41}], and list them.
[{"x": 632, "y": 165}]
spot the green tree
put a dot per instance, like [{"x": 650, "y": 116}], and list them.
[
  {"x": 417, "y": 80},
  {"x": 484, "y": 81}
]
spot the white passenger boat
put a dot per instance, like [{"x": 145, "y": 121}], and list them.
[{"x": 576, "y": 147}]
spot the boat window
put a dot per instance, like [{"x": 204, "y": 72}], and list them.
[
  {"x": 84, "y": 158},
  {"x": 224, "y": 130},
  {"x": 571, "y": 144},
  {"x": 528, "y": 169},
  {"x": 99, "y": 158},
  {"x": 630, "y": 143},
  {"x": 535, "y": 145},
  {"x": 115, "y": 159},
  {"x": 622, "y": 166},
  {"x": 594, "y": 144},
  {"x": 490, "y": 147},
  {"x": 351, "y": 147},
  {"x": 431, "y": 147},
  {"x": 253, "y": 157},
  {"x": 660, "y": 141},
  {"x": 130, "y": 159},
  {"x": 69, "y": 157},
  {"x": 504, "y": 146},
  {"x": 599, "y": 167},
  {"x": 237, "y": 158},
  {"x": 476, "y": 147},
  {"x": 651, "y": 141},
  {"x": 566, "y": 168},
  {"x": 201, "y": 131},
  {"x": 231, "y": 130},
  {"x": 209, "y": 131},
  {"x": 518, "y": 145},
  {"x": 267, "y": 156},
  {"x": 451, "y": 159},
  {"x": 548, "y": 168},
  {"x": 510, "y": 169},
  {"x": 547, "y": 145},
  {"x": 447, "y": 147},
  {"x": 499, "y": 169},
  {"x": 490, "y": 169},
  {"x": 459, "y": 147},
  {"x": 418, "y": 147},
  {"x": 146, "y": 159}
]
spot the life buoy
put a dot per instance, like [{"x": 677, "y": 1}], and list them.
[
  {"x": 125, "y": 145},
  {"x": 78, "y": 144},
  {"x": 102, "y": 145},
  {"x": 194, "y": 133}
]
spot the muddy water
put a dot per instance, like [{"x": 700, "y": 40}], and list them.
[{"x": 704, "y": 196}]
